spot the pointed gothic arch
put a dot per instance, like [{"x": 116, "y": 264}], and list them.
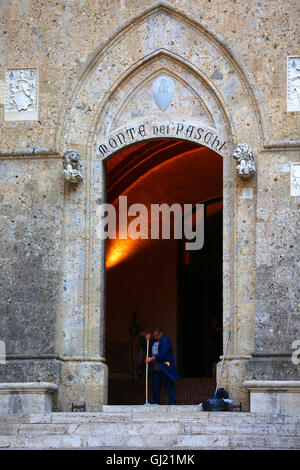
[{"x": 160, "y": 39}]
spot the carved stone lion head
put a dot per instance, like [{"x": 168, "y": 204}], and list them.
[
  {"x": 72, "y": 166},
  {"x": 244, "y": 156},
  {"x": 71, "y": 157},
  {"x": 243, "y": 152}
]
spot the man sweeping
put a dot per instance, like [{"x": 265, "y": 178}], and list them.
[{"x": 162, "y": 365}]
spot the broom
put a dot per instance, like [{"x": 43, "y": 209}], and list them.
[
  {"x": 147, "y": 373},
  {"x": 221, "y": 369}
]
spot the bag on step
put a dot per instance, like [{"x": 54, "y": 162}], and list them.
[
  {"x": 220, "y": 402},
  {"x": 215, "y": 404}
]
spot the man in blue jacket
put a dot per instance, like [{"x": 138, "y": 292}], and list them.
[{"x": 162, "y": 365}]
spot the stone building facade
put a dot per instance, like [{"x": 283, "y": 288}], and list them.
[{"x": 77, "y": 75}]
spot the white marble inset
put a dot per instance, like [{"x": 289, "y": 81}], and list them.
[
  {"x": 282, "y": 168},
  {"x": 295, "y": 179},
  {"x": 163, "y": 90},
  {"x": 274, "y": 396},
  {"x": 21, "y": 94},
  {"x": 26, "y": 397},
  {"x": 2, "y": 353},
  {"x": 293, "y": 83}
]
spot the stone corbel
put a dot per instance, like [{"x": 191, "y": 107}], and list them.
[
  {"x": 244, "y": 156},
  {"x": 72, "y": 166}
]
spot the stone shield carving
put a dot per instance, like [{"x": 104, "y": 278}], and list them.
[
  {"x": 72, "y": 166},
  {"x": 21, "y": 97},
  {"x": 244, "y": 156},
  {"x": 163, "y": 90}
]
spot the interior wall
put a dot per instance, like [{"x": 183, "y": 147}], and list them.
[{"x": 145, "y": 283}]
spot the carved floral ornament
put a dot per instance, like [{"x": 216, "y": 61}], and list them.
[
  {"x": 73, "y": 166},
  {"x": 244, "y": 156}
]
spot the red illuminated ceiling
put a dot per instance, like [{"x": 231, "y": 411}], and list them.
[
  {"x": 156, "y": 172},
  {"x": 127, "y": 166}
]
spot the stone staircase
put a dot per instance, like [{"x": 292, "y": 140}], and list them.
[{"x": 150, "y": 427}]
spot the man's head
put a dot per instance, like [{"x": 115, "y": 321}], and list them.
[
  {"x": 222, "y": 393},
  {"x": 157, "y": 333}
]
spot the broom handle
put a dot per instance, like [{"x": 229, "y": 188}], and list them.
[
  {"x": 221, "y": 369},
  {"x": 147, "y": 367}
]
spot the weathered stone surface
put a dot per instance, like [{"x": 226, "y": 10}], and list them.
[
  {"x": 28, "y": 397},
  {"x": 31, "y": 226},
  {"x": 129, "y": 427},
  {"x": 96, "y": 66},
  {"x": 277, "y": 278},
  {"x": 275, "y": 396}
]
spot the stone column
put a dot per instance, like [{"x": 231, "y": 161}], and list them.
[
  {"x": 238, "y": 274},
  {"x": 81, "y": 319}
]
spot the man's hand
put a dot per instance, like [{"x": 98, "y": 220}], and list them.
[
  {"x": 149, "y": 359},
  {"x": 148, "y": 336}
]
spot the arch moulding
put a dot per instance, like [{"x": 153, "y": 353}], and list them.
[{"x": 111, "y": 107}]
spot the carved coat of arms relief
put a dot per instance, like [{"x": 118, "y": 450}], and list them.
[
  {"x": 295, "y": 179},
  {"x": 21, "y": 101},
  {"x": 293, "y": 83}
]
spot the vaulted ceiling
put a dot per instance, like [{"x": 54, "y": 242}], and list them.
[{"x": 156, "y": 172}]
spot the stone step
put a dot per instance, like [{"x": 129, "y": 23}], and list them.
[
  {"x": 87, "y": 441},
  {"x": 92, "y": 428},
  {"x": 134, "y": 427},
  {"x": 237, "y": 441},
  {"x": 244, "y": 429},
  {"x": 164, "y": 427},
  {"x": 155, "y": 441},
  {"x": 158, "y": 415},
  {"x": 162, "y": 409},
  {"x": 195, "y": 412}
]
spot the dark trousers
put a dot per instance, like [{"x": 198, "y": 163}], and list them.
[{"x": 159, "y": 378}]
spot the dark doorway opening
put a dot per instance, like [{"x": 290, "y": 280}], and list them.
[
  {"x": 157, "y": 282},
  {"x": 200, "y": 277}
]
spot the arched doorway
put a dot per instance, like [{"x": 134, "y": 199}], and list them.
[
  {"x": 158, "y": 282},
  {"x": 112, "y": 97}
]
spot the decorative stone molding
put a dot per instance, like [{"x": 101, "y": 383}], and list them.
[
  {"x": 27, "y": 397},
  {"x": 274, "y": 396},
  {"x": 244, "y": 156},
  {"x": 72, "y": 166}
]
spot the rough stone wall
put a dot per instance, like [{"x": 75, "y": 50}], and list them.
[
  {"x": 277, "y": 256},
  {"x": 59, "y": 37},
  {"x": 277, "y": 270},
  {"x": 31, "y": 206}
]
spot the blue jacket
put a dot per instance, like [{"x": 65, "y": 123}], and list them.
[{"x": 165, "y": 357}]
